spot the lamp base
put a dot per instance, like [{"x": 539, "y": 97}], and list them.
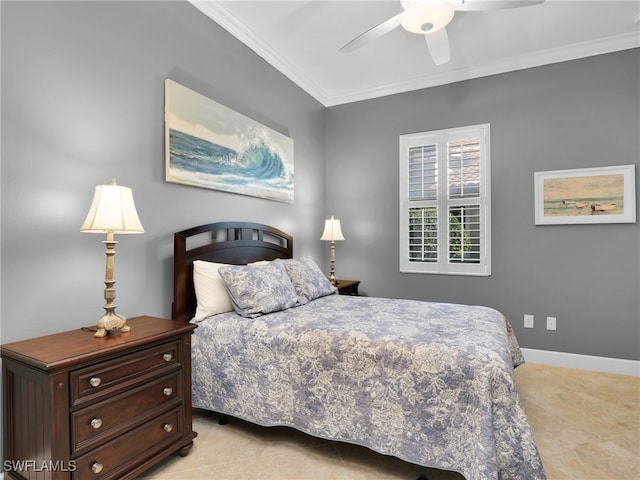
[{"x": 111, "y": 321}]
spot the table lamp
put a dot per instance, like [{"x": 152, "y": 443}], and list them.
[
  {"x": 112, "y": 211},
  {"x": 332, "y": 233}
]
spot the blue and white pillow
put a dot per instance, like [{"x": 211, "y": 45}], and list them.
[
  {"x": 308, "y": 280},
  {"x": 256, "y": 290}
]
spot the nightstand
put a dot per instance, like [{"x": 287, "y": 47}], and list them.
[
  {"x": 81, "y": 407},
  {"x": 348, "y": 287}
]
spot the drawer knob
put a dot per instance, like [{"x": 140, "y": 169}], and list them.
[
  {"x": 95, "y": 382},
  {"x": 167, "y": 357},
  {"x": 168, "y": 391},
  {"x": 96, "y": 423},
  {"x": 97, "y": 467},
  {"x": 168, "y": 427}
]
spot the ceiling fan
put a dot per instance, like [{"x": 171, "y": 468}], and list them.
[{"x": 429, "y": 18}]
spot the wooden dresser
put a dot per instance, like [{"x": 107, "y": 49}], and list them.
[{"x": 80, "y": 407}]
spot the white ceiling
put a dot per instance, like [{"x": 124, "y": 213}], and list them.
[{"x": 302, "y": 38}]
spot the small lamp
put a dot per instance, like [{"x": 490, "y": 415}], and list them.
[
  {"x": 112, "y": 211},
  {"x": 332, "y": 233}
]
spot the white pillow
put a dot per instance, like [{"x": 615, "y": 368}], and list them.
[
  {"x": 211, "y": 293},
  {"x": 259, "y": 263}
]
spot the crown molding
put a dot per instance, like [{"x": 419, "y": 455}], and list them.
[
  {"x": 219, "y": 14},
  {"x": 536, "y": 59}
]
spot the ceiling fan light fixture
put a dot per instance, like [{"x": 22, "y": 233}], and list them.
[{"x": 427, "y": 16}]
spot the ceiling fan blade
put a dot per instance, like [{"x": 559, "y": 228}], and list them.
[
  {"x": 479, "y": 5},
  {"x": 373, "y": 33},
  {"x": 438, "y": 45}
]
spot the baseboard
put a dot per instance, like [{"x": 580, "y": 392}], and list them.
[{"x": 583, "y": 362}]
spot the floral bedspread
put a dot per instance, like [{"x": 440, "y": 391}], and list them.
[{"x": 430, "y": 383}]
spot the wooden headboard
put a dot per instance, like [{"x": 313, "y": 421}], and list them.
[{"x": 235, "y": 243}]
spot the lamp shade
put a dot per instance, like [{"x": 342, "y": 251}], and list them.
[
  {"x": 332, "y": 230},
  {"x": 427, "y": 17},
  {"x": 112, "y": 210}
]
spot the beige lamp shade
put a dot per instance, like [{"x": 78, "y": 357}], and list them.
[
  {"x": 332, "y": 231},
  {"x": 112, "y": 210}
]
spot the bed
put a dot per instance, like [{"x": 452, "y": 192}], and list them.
[{"x": 429, "y": 383}]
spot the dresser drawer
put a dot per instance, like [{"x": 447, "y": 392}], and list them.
[
  {"x": 98, "y": 422},
  {"x": 49, "y": 401},
  {"x": 108, "y": 461},
  {"x": 122, "y": 373}
]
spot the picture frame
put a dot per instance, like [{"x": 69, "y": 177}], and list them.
[
  {"x": 585, "y": 196},
  {"x": 209, "y": 145}
]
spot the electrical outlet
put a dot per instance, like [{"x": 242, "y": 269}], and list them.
[
  {"x": 551, "y": 323},
  {"x": 528, "y": 321}
]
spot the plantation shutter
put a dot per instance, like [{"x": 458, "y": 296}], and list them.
[
  {"x": 465, "y": 225},
  {"x": 444, "y": 198},
  {"x": 423, "y": 193}
]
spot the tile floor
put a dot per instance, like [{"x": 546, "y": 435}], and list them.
[{"x": 586, "y": 424}]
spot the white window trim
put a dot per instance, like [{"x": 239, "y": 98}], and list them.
[{"x": 440, "y": 137}]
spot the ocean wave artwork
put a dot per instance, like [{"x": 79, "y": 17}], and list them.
[{"x": 211, "y": 146}]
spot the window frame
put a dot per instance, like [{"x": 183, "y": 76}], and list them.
[{"x": 441, "y": 138}]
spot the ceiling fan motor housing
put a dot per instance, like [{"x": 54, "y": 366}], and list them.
[{"x": 426, "y": 16}]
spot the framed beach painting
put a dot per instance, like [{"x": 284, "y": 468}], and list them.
[
  {"x": 586, "y": 195},
  {"x": 211, "y": 146}
]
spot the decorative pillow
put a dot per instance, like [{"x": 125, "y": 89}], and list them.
[
  {"x": 308, "y": 280},
  {"x": 211, "y": 294},
  {"x": 258, "y": 290}
]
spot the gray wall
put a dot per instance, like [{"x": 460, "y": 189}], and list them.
[
  {"x": 583, "y": 113},
  {"x": 82, "y": 103}
]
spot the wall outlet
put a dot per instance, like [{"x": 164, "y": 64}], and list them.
[
  {"x": 551, "y": 323},
  {"x": 528, "y": 321}
]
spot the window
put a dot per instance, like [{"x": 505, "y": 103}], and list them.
[{"x": 445, "y": 201}]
